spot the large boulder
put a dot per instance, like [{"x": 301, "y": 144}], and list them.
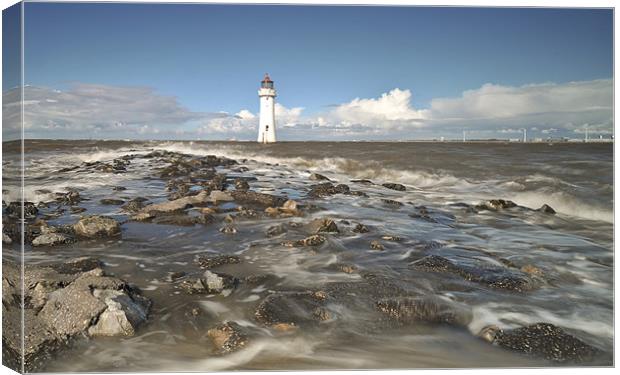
[
  {"x": 97, "y": 227},
  {"x": 122, "y": 315}
]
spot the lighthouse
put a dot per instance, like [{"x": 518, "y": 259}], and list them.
[{"x": 267, "y": 119}]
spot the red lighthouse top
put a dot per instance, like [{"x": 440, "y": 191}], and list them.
[{"x": 267, "y": 79}]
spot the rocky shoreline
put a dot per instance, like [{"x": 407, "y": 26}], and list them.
[{"x": 81, "y": 299}]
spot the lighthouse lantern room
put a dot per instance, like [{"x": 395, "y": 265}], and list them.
[{"x": 267, "y": 120}]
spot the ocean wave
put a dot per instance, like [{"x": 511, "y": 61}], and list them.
[{"x": 564, "y": 203}]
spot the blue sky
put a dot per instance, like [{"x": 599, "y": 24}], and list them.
[{"x": 209, "y": 59}]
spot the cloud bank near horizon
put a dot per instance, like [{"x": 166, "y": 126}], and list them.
[{"x": 491, "y": 111}]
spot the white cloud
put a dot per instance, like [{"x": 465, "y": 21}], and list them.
[{"x": 547, "y": 108}]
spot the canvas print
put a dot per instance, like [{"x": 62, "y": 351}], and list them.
[{"x": 218, "y": 187}]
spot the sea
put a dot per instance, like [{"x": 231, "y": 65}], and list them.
[{"x": 571, "y": 250}]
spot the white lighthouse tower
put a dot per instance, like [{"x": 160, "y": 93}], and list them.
[{"x": 267, "y": 121}]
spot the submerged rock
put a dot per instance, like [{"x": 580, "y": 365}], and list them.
[
  {"x": 276, "y": 230},
  {"x": 393, "y": 186},
  {"x": 318, "y": 177},
  {"x": 228, "y": 337},
  {"x": 322, "y": 225},
  {"x": 496, "y": 205},
  {"x": 376, "y": 245},
  {"x": 208, "y": 262},
  {"x": 111, "y": 201},
  {"x": 296, "y": 309},
  {"x": 546, "y": 209},
  {"x": 360, "y": 228},
  {"x": 490, "y": 275},
  {"x": 97, "y": 227},
  {"x": 425, "y": 309},
  {"x": 542, "y": 340}
]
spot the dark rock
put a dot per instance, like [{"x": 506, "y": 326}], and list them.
[
  {"x": 228, "y": 229},
  {"x": 376, "y": 245},
  {"x": 425, "y": 309},
  {"x": 208, "y": 262},
  {"x": 77, "y": 210},
  {"x": 134, "y": 205},
  {"x": 326, "y": 189},
  {"x": 365, "y": 182},
  {"x": 393, "y": 186},
  {"x": 70, "y": 198},
  {"x": 490, "y": 275},
  {"x": 111, "y": 201},
  {"x": 14, "y": 210},
  {"x": 392, "y": 203},
  {"x": 495, "y": 205},
  {"x": 360, "y": 228},
  {"x": 97, "y": 227},
  {"x": 260, "y": 199},
  {"x": 77, "y": 265},
  {"x": 542, "y": 340},
  {"x": 546, "y": 209},
  {"x": 181, "y": 219},
  {"x": 297, "y": 309},
  {"x": 119, "y": 188}
]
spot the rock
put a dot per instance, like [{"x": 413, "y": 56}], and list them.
[
  {"x": 272, "y": 211},
  {"x": 488, "y": 274},
  {"x": 326, "y": 189},
  {"x": 111, "y": 201},
  {"x": 119, "y": 188},
  {"x": 241, "y": 184},
  {"x": 376, "y": 245},
  {"x": 360, "y": 228},
  {"x": 393, "y": 186},
  {"x": 6, "y": 239},
  {"x": 259, "y": 199},
  {"x": 70, "y": 198},
  {"x": 228, "y": 337},
  {"x": 546, "y": 209},
  {"x": 542, "y": 340},
  {"x": 210, "y": 283},
  {"x": 425, "y": 309},
  {"x": 182, "y": 219},
  {"x": 392, "y": 203},
  {"x": 532, "y": 270},
  {"x": 134, "y": 205},
  {"x": 296, "y": 309},
  {"x": 290, "y": 206},
  {"x": 220, "y": 196},
  {"x": 315, "y": 240},
  {"x": 276, "y": 230},
  {"x": 322, "y": 225},
  {"x": 77, "y": 265},
  {"x": 174, "y": 276},
  {"x": 391, "y": 238},
  {"x": 51, "y": 239},
  {"x": 208, "y": 262},
  {"x": 123, "y": 314},
  {"x": 228, "y": 229},
  {"x": 77, "y": 210},
  {"x": 496, "y": 205},
  {"x": 318, "y": 177},
  {"x": 97, "y": 227},
  {"x": 176, "y": 205},
  {"x": 363, "y": 181},
  {"x": 14, "y": 210}
]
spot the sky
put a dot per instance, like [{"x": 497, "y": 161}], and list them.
[{"x": 191, "y": 71}]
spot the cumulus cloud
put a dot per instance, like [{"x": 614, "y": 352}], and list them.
[
  {"x": 493, "y": 110},
  {"x": 91, "y": 108}
]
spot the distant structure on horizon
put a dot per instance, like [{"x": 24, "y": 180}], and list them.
[{"x": 267, "y": 118}]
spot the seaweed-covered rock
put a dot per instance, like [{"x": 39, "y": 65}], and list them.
[
  {"x": 542, "y": 340},
  {"x": 96, "y": 227}
]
